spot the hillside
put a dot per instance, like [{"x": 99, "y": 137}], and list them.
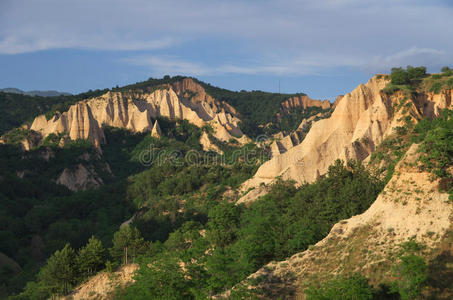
[
  {"x": 155, "y": 191},
  {"x": 409, "y": 223},
  {"x": 409, "y": 208}
]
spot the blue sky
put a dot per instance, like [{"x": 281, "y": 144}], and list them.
[{"x": 322, "y": 48}]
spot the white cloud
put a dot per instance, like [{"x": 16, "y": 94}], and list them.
[
  {"x": 284, "y": 36},
  {"x": 169, "y": 65},
  {"x": 412, "y": 56},
  {"x": 174, "y": 65}
]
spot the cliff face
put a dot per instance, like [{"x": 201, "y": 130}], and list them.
[
  {"x": 135, "y": 110},
  {"x": 361, "y": 114},
  {"x": 360, "y": 121},
  {"x": 303, "y": 102}
]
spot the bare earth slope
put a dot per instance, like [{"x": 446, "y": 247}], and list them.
[{"x": 103, "y": 285}]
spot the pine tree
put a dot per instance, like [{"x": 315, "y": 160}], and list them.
[
  {"x": 60, "y": 272},
  {"x": 91, "y": 258},
  {"x": 127, "y": 243}
]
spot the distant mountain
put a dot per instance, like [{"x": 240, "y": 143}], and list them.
[{"x": 35, "y": 93}]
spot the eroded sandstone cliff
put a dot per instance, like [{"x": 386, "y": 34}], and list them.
[
  {"x": 360, "y": 121},
  {"x": 135, "y": 110}
]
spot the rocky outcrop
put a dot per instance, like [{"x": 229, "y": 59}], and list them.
[
  {"x": 432, "y": 104},
  {"x": 79, "y": 178},
  {"x": 362, "y": 115},
  {"x": 135, "y": 110},
  {"x": 410, "y": 206},
  {"x": 287, "y": 142},
  {"x": 208, "y": 145},
  {"x": 302, "y": 101},
  {"x": 334, "y": 105},
  {"x": 156, "y": 132},
  {"x": 7, "y": 263},
  {"x": 282, "y": 144}
]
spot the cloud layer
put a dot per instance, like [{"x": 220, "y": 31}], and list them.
[{"x": 292, "y": 37}]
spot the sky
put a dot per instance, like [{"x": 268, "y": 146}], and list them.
[{"x": 323, "y": 48}]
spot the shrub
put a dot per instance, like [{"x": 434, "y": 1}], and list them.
[
  {"x": 412, "y": 275},
  {"x": 436, "y": 87},
  {"x": 342, "y": 288}
]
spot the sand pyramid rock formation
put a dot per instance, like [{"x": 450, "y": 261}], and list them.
[
  {"x": 156, "y": 132},
  {"x": 135, "y": 109},
  {"x": 433, "y": 103},
  {"x": 334, "y": 105},
  {"x": 208, "y": 145},
  {"x": 80, "y": 178},
  {"x": 361, "y": 115},
  {"x": 287, "y": 142},
  {"x": 409, "y": 206},
  {"x": 301, "y": 102},
  {"x": 304, "y": 102}
]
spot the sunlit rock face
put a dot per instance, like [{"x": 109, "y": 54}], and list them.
[{"x": 135, "y": 110}]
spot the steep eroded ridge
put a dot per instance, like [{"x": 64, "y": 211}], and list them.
[
  {"x": 135, "y": 110},
  {"x": 359, "y": 123}
]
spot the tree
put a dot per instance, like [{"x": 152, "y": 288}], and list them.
[
  {"x": 342, "y": 288},
  {"x": 223, "y": 224},
  {"x": 415, "y": 73},
  {"x": 412, "y": 275},
  {"x": 91, "y": 258},
  {"x": 127, "y": 243},
  {"x": 160, "y": 278},
  {"x": 399, "y": 76},
  {"x": 60, "y": 272},
  {"x": 446, "y": 70},
  {"x": 33, "y": 291}
]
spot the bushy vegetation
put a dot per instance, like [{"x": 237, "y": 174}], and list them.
[
  {"x": 64, "y": 269},
  {"x": 406, "y": 80},
  {"x": 342, "y": 288},
  {"x": 411, "y": 273},
  {"x": 234, "y": 241},
  {"x": 413, "y": 80},
  {"x": 436, "y": 143},
  {"x": 17, "y": 135},
  {"x": 219, "y": 250},
  {"x": 410, "y": 276}
]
